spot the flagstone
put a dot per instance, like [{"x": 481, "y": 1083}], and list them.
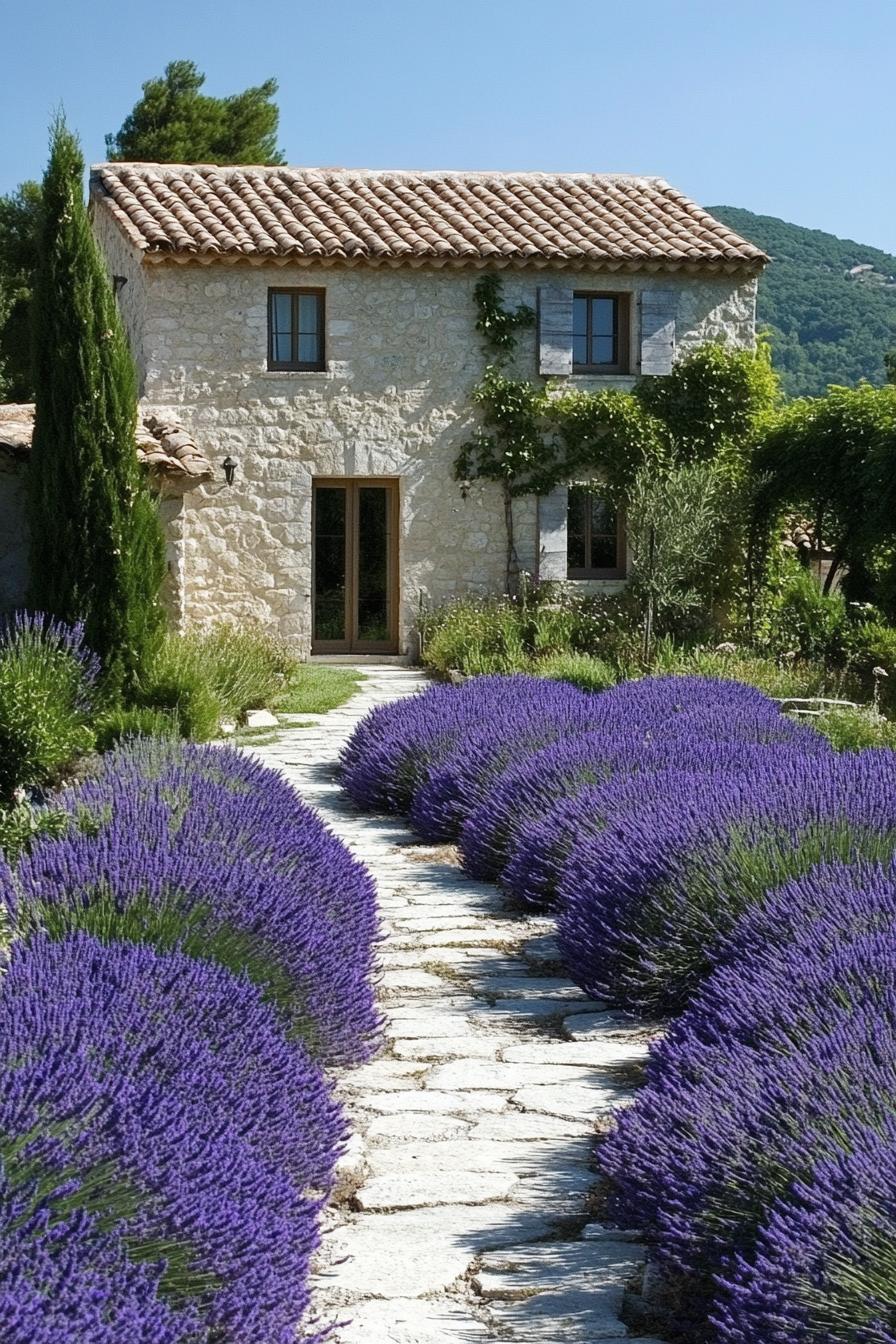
[{"x": 471, "y": 1168}]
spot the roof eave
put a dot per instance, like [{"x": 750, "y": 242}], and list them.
[{"x": 629, "y": 266}]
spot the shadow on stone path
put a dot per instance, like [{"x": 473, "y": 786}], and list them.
[{"x": 468, "y": 1186}]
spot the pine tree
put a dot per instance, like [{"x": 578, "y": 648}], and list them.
[
  {"x": 175, "y": 122},
  {"x": 97, "y": 549}
]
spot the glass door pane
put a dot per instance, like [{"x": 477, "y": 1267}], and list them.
[
  {"x": 330, "y": 517},
  {"x": 373, "y": 564}
]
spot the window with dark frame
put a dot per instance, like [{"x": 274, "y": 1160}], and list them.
[
  {"x": 296, "y": 330},
  {"x": 600, "y": 333},
  {"x": 595, "y": 536}
]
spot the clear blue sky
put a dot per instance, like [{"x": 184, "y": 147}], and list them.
[{"x": 782, "y": 106}]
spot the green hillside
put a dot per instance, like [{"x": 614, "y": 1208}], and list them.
[{"x": 826, "y": 327}]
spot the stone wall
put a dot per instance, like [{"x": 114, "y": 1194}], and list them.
[
  {"x": 122, "y": 259},
  {"x": 402, "y": 359}
]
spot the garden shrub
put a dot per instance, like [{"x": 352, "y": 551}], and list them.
[
  {"x": 120, "y": 723},
  {"x": 644, "y": 910},
  {"x": 855, "y": 729},
  {"x": 808, "y": 620},
  {"x": 153, "y": 1100},
  {"x": 65, "y": 1278},
  {"x": 583, "y": 671},
  {"x": 538, "y": 713},
  {"x": 203, "y": 848},
  {"x": 475, "y": 636},
  {"x": 394, "y": 749},
  {"x": 47, "y": 683},
  {"x": 823, "y": 1269},
  {"x": 871, "y": 644},
  {"x": 246, "y": 667},
  {"x": 179, "y": 688},
  {"x": 782, "y": 1062}
]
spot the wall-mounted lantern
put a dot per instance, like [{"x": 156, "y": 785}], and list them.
[{"x": 230, "y": 465}]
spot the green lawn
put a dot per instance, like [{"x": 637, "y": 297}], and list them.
[{"x": 314, "y": 690}]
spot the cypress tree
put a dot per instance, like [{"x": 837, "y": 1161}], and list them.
[{"x": 97, "y": 549}]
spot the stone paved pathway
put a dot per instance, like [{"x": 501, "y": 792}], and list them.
[{"x": 467, "y": 1189}]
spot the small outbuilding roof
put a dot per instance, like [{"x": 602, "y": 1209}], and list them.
[
  {"x": 167, "y": 452},
  {"x": 613, "y": 222}
]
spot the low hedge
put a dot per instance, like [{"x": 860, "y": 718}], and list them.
[
  {"x": 204, "y": 848},
  {"x": 164, "y": 1154},
  {"x": 189, "y": 947},
  {"x": 781, "y": 1073}
]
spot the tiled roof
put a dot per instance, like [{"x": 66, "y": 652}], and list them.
[
  {"x": 329, "y": 215},
  {"x": 166, "y": 450}
]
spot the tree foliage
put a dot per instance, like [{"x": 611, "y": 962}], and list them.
[
  {"x": 825, "y": 327},
  {"x": 19, "y": 221},
  {"x": 97, "y": 551},
  {"x": 175, "y": 122},
  {"x": 834, "y": 458},
  {"x": 676, "y": 529}
]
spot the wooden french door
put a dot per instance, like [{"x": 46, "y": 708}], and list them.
[{"x": 355, "y": 565}]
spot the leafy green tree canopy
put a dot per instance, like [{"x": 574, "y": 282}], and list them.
[
  {"x": 97, "y": 550},
  {"x": 175, "y": 122},
  {"x": 833, "y": 457},
  {"x": 19, "y": 218}
]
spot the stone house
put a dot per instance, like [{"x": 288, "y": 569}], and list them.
[{"x": 316, "y": 330}]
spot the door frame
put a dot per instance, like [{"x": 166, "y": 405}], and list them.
[{"x": 351, "y": 485}]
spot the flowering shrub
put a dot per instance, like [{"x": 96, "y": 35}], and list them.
[
  {"x": 47, "y": 680},
  {"x": 205, "y": 849},
  {"x": 536, "y": 715},
  {"x": 645, "y": 906},
  {"x": 781, "y": 1063},
  {"x": 152, "y": 1103},
  {"x": 64, "y": 1279},
  {"x": 824, "y": 1261}
]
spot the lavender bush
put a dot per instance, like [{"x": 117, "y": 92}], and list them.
[
  {"x": 64, "y": 1280},
  {"x": 536, "y": 715},
  {"x": 47, "y": 681},
  {"x": 204, "y": 849},
  {"x": 646, "y": 904},
  {"x": 153, "y": 1100},
  {"x": 781, "y": 1063},
  {"x": 823, "y": 1270}
]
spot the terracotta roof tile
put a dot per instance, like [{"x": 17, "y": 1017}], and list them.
[
  {"x": 330, "y": 215},
  {"x": 163, "y": 447}
]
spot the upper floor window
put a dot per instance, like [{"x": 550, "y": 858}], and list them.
[
  {"x": 600, "y": 329},
  {"x": 595, "y": 536},
  {"x": 296, "y": 329}
]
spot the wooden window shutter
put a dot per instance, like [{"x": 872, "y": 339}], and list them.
[
  {"x": 658, "y": 308},
  {"x": 555, "y": 330},
  {"x": 552, "y": 528}
]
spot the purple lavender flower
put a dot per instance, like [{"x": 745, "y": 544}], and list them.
[
  {"x": 203, "y": 848},
  {"x": 822, "y": 1270},
  {"x": 154, "y": 1099},
  {"x": 646, "y": 903},
  {"x": 52, "y": 639},
  {"x": 540, "y": 714},
  {"x": 64, "y": 1280},
  {"x": 783, "y": 1059}
]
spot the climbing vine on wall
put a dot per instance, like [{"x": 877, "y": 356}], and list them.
[{"x": 535, "y": 435}]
